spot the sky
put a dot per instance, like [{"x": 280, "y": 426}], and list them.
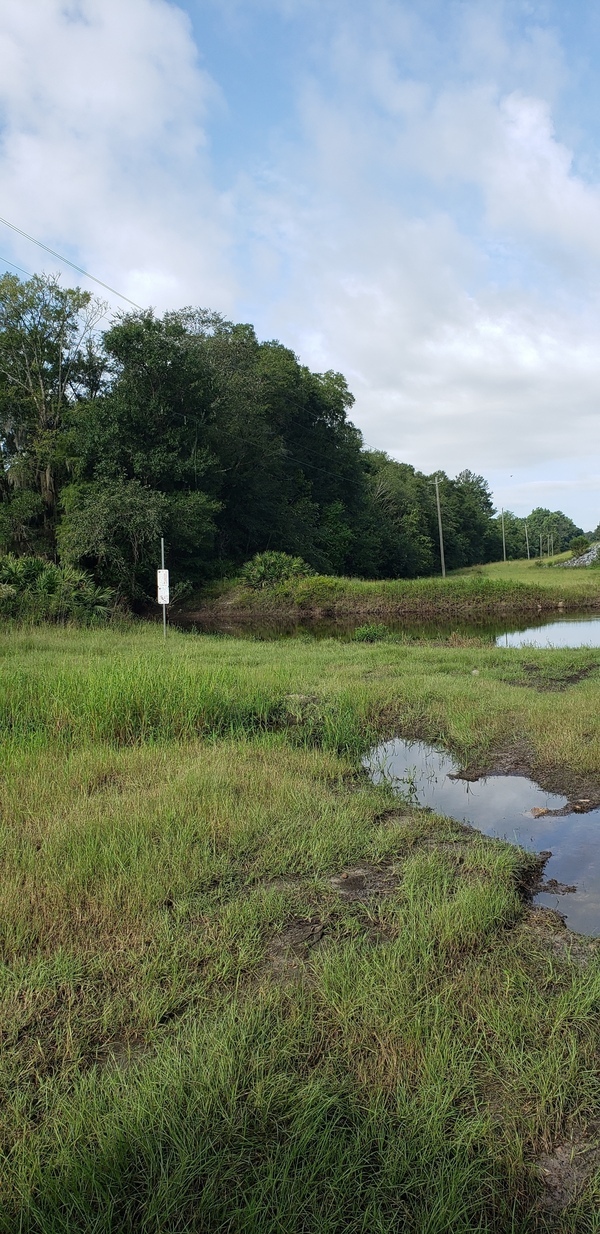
[{"x": 408, "y": 193}]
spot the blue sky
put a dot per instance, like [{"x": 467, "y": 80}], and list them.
[{"x": 407, "y": 192}]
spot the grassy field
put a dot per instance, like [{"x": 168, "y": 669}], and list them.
[
  {"x": 205, "y": 1026},
  {"x": 502, "y": 587},
  {"x": 580, "y": 580}
]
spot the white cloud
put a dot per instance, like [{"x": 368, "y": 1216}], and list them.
[
  {"x": 427, "y": 233},
  {"x": 103, "y": 146},
  {"x": 442, "y": 252}
]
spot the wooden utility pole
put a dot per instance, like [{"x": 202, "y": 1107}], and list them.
[
  {"x": 441, "y": 531},
  {"x": 527, "y": 539},
  {"x": 503, "y": 538}
]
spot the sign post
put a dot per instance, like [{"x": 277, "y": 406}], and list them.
[{"x": 162, "y": 585}]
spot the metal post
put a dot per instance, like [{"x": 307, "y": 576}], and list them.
[
  {"x": 503, "y": 538},
  {"x": 439, "y": 514},
  {"x": 162, "y": 566},
  {"x": 527, "y": 539}
]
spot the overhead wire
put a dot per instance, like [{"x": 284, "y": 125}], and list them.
[
  {"x": 16, "y": 267},
  {"x": 68, "y": 262},
  {"x": 113, "y": 290}
]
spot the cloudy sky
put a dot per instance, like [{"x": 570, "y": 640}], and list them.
[{"x": 407, "y": 192}]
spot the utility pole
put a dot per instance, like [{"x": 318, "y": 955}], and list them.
[
  {"x": 441, "y": 531},
  {"x": 527, "y": 539},
  {"x": 541, "y": 549},
  {"x": 162, "y": 583},
  {"x": 503, "y": 538}
]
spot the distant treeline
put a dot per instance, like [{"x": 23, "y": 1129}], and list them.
[{"x": 186, "y": 426}]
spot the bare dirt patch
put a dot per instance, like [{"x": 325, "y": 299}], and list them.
[
  {"x": 566, "y": 1171},
  {"x": 364, "y": 882},
  {"x": 548, "y": 928},
  {"x": 552, "y": 680},
  {"x": 289, "y": 950}
]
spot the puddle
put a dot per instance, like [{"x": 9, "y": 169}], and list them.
[
  {"x": 566, "y": 632},
  {"x": 505, "y": 807}
]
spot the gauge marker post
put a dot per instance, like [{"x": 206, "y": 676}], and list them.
[{"x": 162, "y": 586}]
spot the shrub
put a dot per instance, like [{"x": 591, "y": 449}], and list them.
[
  {"x": 370, "y": 633},
  {"x": 37, "y": 590},
  {"x": 579, "y": 545},
  {"x": 269, "y": 569}
]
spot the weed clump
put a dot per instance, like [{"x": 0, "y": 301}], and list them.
[{"x": 370, "y": 633}]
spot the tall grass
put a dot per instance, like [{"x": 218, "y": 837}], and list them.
[
  {"x": 126, "y": 687},
  {"x": 168, "y": 813}
]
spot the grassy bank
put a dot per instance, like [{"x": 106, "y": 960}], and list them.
[
  {"x": 205, "y": 1027},
  {"x": 504, "y": 587}
]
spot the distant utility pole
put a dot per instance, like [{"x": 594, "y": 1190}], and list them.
[
  {"x": 441, "y": 530},
  {"x": 527, "y": 539},
  {"x": 503, "y": 538},
  {"x": 541, "y": 549},
  {"x": 548, "y": 546}
]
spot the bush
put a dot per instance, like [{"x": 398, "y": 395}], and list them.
[
  {"x": 37, "y": 590},
  {"x": 370, "y": 633},
  {"x": 269, "y": 569},
  {"x": 579, "y": 545}
]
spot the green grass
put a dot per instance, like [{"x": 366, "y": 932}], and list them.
[
  {"x": 581, "y": 581},
  {"x": 167, "y": 814},
  {"x": 513, "y": 586}
]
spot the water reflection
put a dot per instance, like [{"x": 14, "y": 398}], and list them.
[
  {"x": 501, "y": 806},
  {"x": 566, "y": 632},
  {"x": 574, "y": 630}
]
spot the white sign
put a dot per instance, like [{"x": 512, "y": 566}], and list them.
[{"x": 162, "y": 584}]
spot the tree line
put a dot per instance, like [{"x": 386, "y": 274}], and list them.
[{"x": 116, "y": 432}]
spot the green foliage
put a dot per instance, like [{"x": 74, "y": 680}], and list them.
[
  {"x": 115, "y": 529},
  {"x": 32, "y": 589},
  {"x": 579, "y": 545},
  {"x": 48, "y": 361},
  {"x": 553, "y": 525},
  {"x": 372, "y": 633},
  {"x": 270, "y": 568},
  {"x": 187, "y": 426}
]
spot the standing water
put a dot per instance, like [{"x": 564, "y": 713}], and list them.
[
  {"x": 566, "y": 632},
  {"x": 505, "y": 807}
]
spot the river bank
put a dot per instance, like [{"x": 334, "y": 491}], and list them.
[{"x": 468, "y": 596}]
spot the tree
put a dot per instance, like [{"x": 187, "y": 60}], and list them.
[
  {"x": 551, "y": 524},
  {"x": 47, "y": 361},
  {"x": 113, "y": 530}
]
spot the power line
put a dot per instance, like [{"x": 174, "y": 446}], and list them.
[
  {"x": 15, "y": 267},
  {"x": 68, "y": 263}
]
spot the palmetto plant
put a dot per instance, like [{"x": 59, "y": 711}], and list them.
[{"x": 34, "y": 589}]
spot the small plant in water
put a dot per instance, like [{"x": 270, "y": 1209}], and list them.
[{"x": 370, "y": 633}]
